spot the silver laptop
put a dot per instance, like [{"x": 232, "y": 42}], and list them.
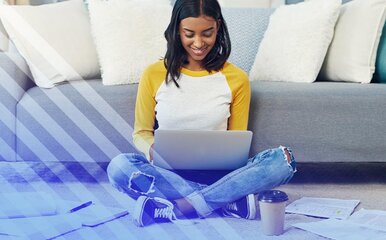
[{"x": 201, "y": 150}]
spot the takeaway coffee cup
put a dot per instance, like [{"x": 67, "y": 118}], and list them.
[{"x": 272, "y": 211}]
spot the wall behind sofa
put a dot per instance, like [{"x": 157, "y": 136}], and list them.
[
  {"x": 298, "y": 1},
  {"x": 241, "y": 3}
]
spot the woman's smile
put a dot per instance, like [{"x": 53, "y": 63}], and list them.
[{"x": 199, "y": 51}]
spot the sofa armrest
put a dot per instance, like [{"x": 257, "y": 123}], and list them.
[
  {"x": 14, "y": 82},
  {"x": 15, "y": 75}
]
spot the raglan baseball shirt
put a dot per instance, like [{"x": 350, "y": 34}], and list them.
[{"x": 204, "y": 101}]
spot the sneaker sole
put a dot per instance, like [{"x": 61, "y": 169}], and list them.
[
  {"x": 138, "y": 210},
  {"x": 251, "y": 206}
]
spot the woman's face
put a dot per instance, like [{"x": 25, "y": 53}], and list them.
[{"x": 198, "y": 36}]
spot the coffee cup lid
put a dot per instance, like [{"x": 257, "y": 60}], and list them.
[{"x": 272, "y": 196}]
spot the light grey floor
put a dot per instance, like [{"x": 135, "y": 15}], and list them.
[
  {"x": 346, "y": 181},
  {"x": 372, "y": 196}
]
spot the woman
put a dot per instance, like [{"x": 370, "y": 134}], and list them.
[{"x": 194, "y": 87}]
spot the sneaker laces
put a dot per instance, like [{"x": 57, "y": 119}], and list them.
[
  {"x": 230, "y": 210},
  {"x": 167, "y": 212},
  {"x": 232, "y": 206}
]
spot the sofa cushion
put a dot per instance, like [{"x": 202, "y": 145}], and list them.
[
  {"x": 80, "y": 121},
  {"x": 4, "y": 39},
  {"x": 128, "y": 36},
  {"x": 246, "y": 29},
  {"x": 296, "y": 42},
  {"x": 352, "y": 54},
  {"x": 62, "y": 50},
  {"x": 298, "y": 1},
  {"x": 322, "y": 121}
]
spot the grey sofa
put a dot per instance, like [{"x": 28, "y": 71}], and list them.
[{"x": 85, "y": 121}]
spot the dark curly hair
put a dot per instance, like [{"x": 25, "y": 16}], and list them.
[{"x": 176, "y": 55}]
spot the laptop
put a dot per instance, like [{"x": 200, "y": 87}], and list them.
[{"x": 201, "y": 149}]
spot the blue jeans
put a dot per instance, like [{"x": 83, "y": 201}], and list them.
[{"x": 134, "y": 175}]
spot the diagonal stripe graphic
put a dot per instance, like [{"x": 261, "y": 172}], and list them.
[
  {"x": 35, "y": 187},
  {"x": 61, "y": 135},
  {"x": 36, "y": 142},
  {"x": 38, "y": 145},
  {"x": 80, "y": 190}
]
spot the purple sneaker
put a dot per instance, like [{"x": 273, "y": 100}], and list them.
[
  {"x": 153, "y": 210},
  {"x": 243, "y": 208}
]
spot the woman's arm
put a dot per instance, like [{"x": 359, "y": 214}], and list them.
[
  {"x": 151, "y": 80},
  {"x": 239, "y": 108},
  {"x": 143, "y": 135}
]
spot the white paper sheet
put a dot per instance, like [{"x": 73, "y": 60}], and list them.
[
  {"x": 373, "y": 219},
  {"x": 40, "y": 227},
  {"x": 26, "y": 204},
  {"x": 40, "y": 216},
  {"x": 341, "y": 230},
  {"x": 97, "y": 214},
  {"x": 323, "y": 207},
  {"x": 33, "y": 204}
]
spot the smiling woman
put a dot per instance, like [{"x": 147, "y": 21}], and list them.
[
  {"x": 194, "y": 87},
  {"x": 198, "y": 36}
]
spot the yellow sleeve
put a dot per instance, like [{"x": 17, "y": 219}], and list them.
[
  {"x": 151, "y": 80},
  {"x": 241, "y": 96}
]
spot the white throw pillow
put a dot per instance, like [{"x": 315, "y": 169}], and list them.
[
  {"x": 129, "y": 35},
  {"x": 351, "y": 56},
  {"x": 296, "y": 42},
  {"x": 55, "y": 39},
  {"x": 251, "y": 3},
  {"x": 4, "y": 39}
]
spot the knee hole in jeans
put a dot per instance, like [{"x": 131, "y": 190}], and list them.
[{"x": 288, "y": 156}]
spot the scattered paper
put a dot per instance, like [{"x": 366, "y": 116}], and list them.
[
  {"x": 373, "y": 219},
  {"x": 40, "y": 227},
  {"x": 38, "y": 215},
  {"x": 26, "y": 204},
  {"x": 33, "y": 204},
  {"x": 323, "y": 207},
  {"x": 92, "y": 215},
  {"x": 341, "y": 230},
  {"x": 362, "y": 225},
  {"x": 97, "y": 214}
]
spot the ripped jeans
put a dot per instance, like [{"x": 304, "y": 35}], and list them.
[{"x": 134, "y": 175}]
